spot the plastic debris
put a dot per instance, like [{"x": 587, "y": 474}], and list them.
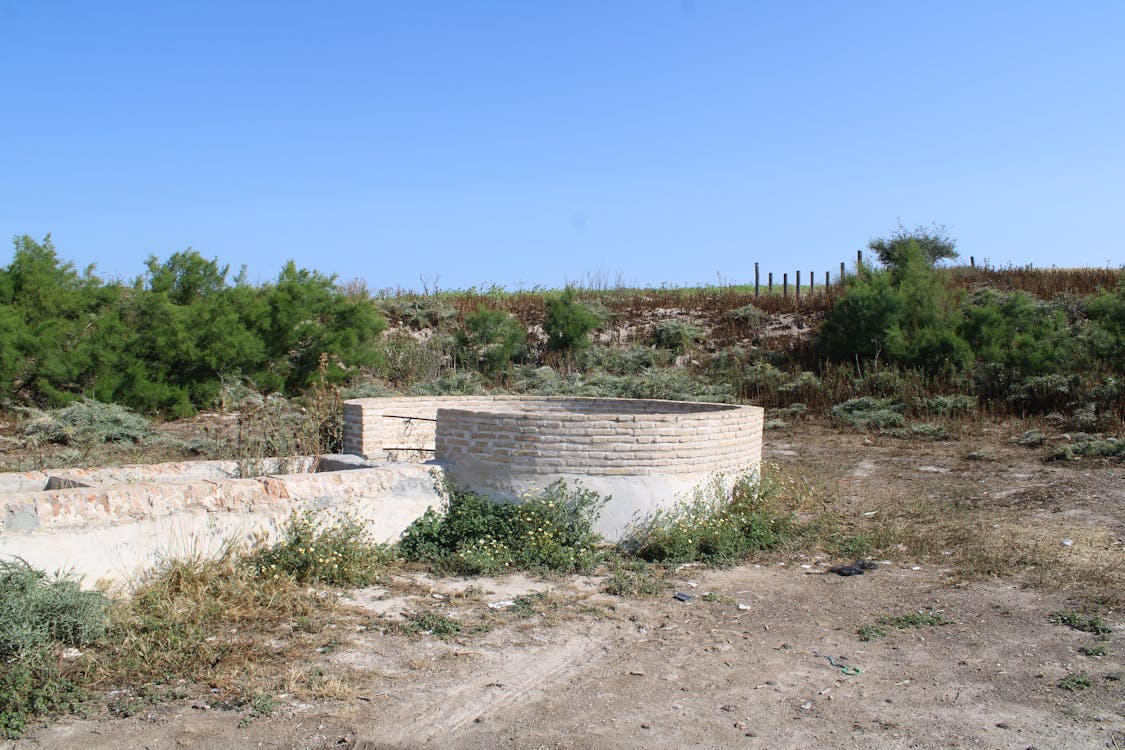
[
  {"x": 502, "y": 604},
  {"x": 682, "y": 597}
]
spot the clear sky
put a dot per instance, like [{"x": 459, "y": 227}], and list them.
[{"x": 534, "y": 142}]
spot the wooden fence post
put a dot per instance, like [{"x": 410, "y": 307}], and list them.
[
  {"x": 841, "y": 279},
  {"x": 784, "y": 285},
  {"x": 755, "y": 280},
  {"x": 798, "y": 288},
  {"x": 771, "y": 282}
]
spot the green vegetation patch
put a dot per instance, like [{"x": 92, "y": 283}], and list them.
[
  {"x": 432, "y": 623},
  {"x": 880, "y": 629},
  {"x": 1107, "y": 448},
  {"x": 1076, "y": 682},
  {"x": 1078, "y": 621},
  {"x": 635, "y": 578},
  {"x": 40, "y": 616},
  {"x": 475, "y": 535},
  {"x": 719, "y": 526},
  {"x": 335, "y": 549},
  {"x": 870, "y": 413},
  {"x": 87, "y": 422}
]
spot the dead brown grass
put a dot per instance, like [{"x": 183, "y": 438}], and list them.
[{"x": 216, "y": 623}]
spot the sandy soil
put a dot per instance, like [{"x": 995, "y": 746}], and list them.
[{"x": 747, "y": 667}]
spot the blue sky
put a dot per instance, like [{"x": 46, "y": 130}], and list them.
[{"x": 532, "y": 143}]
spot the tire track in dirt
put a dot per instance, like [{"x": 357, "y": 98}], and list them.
[{"x": 502, "y": 678}]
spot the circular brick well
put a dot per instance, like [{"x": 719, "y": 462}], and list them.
[{"x": 645, "y": 454}]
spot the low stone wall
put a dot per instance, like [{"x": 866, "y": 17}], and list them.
[
  {"x": 647, "y": 454},
  {"x": 112, "y": 532}
]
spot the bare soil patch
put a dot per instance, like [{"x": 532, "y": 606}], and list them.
[{"x": 994, "y": 546}]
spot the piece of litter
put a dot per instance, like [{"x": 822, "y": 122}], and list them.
[
  {"x": 682, "y": 597},
  {"x": 806, "y": 705},
  {"x": 439, "y": 597},
  {"x": 744, "y": 607},
  {"x": 691, "y": 584},
  {"x": 1068, "y": 542},
  {"x": 915, "y": 567},
  {"x": 870, "y": 512},
  {"x": 502, "y": 604},
  {"x": 806, "y": 567},
  {"x": 637, "y": 673}
]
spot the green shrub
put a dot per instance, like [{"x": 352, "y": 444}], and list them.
[
  {"x": 923, "y": 431},
  {"x": 625, "y": 360},
  {"x": 1108, "y": 448},
  {"x": 955, "y": 405},
  {"x": 867, "y": 413},
  {"x": 793, "y": 411},
  {"x": 489, "y": 340},
  {"x": 748, "y": 315},
  {"x": 418, "y": 313},
  {"x": 36, "y": 608},
  {"x": 38, "y": 615},
  {"x": 716, "y": 527},
  {"x": 904, "y": 314},
  {"x": 88, "y": 422},
  {"x": 335, "y": 549},
  {"x": 675, "y": 335},
  {"x": 568, "y": 323},
  {"x": 1032, "y": 438},
  {"x": 551, "y": 530}
]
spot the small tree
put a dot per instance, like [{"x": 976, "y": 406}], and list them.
[
  {"x": 568, "y": 323},
  {"x": 903, "y": 313},
  {"x": 489, "y": 340},
  {"x": 935, "y": 244}
]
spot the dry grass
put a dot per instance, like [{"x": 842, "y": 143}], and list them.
[
  {"x": 966, "y": 521},
  {"x": 215, "y": 623}
]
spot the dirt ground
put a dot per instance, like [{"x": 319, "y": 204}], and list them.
[{"x": 762, "y": 656}]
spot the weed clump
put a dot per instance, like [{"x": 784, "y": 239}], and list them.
[
  {"x": 1032, "y": 438},
  {"x": 1078, "y": 621},
  {"x": 719, "y": 528},
  {"x": 636, "y": 579},
  {"x": 477, "y": 535},
  {"x": 870, "y": 413},
  {"x": 432, "y": 623},
  {"x": 923, "y": 431},
  {"x": 1108, "y": 448},
  {"x": 336, "y": 550},
  {"x": 1075, "y": 682},
  {"x": 879, "y": 629}
]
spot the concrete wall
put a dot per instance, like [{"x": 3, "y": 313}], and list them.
[
  {"x": 647, "y": 454},
  {"x": 114, "y": 532}
]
